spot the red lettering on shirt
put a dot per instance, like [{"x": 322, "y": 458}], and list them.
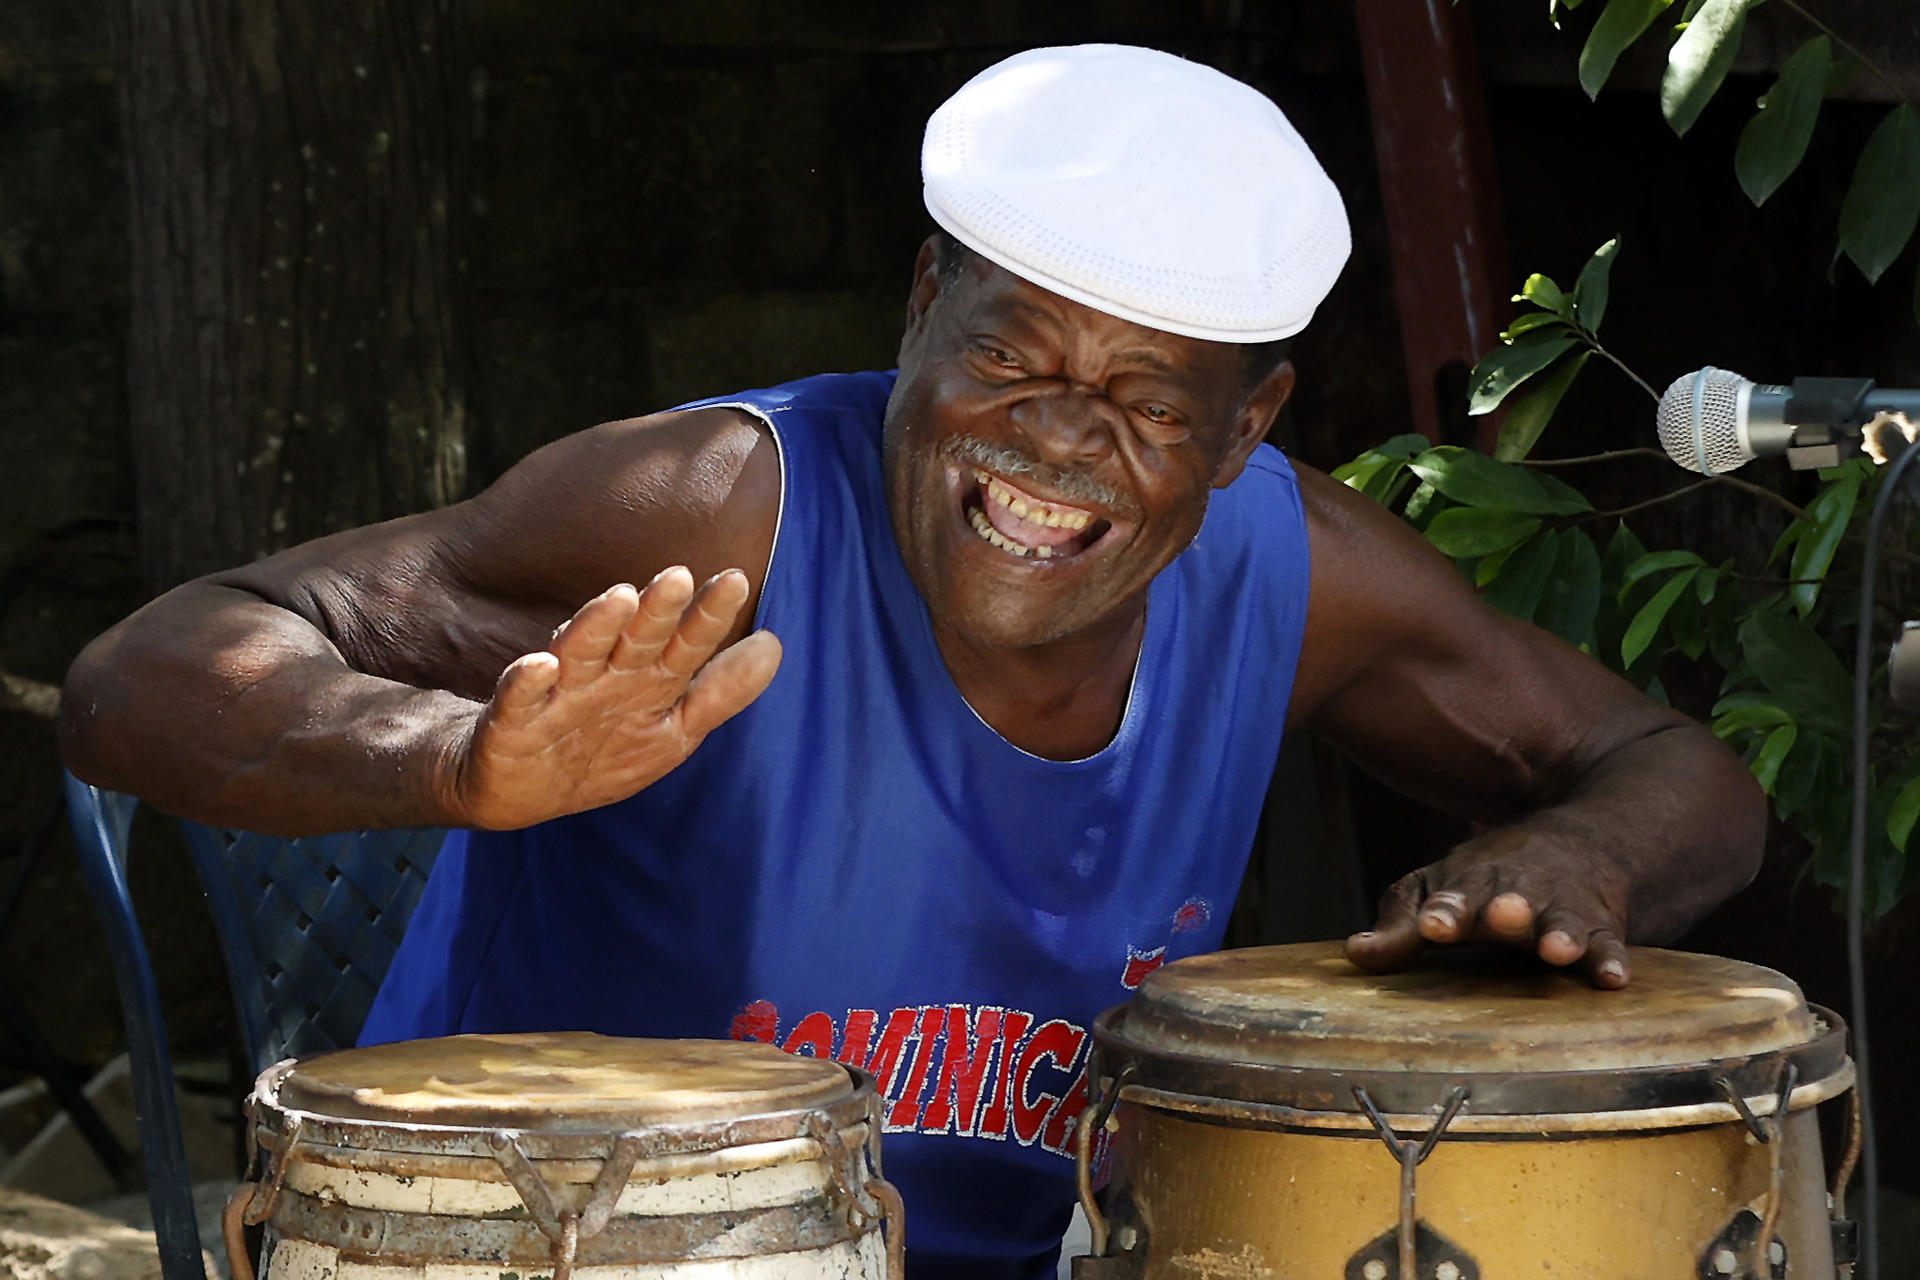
[
  {"x": 1059, "y": 1040},
  {"x": 758, "y": 1021},
  {"x": 813, "y": 1033},
  {"x": 963, "y": 1071},
  {"x": 906, "y": 1108},
  {"x": 1013, "y": 1029},
  {"x": 859, "y": 1035}
]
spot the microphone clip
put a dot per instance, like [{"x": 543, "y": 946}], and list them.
[{"x": 1826, "y": 416}]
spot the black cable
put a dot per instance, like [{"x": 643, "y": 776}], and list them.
[{"x": 1869, "y": 1264}]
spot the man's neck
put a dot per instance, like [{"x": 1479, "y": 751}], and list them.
[{"x": 1061, "y": 701}]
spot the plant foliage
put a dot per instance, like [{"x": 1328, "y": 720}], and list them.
[
  {"x": 1765, "y": 636},
  {"x": 1882, "y": 203}
]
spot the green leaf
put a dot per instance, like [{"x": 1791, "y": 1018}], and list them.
[
  {"x": 1828, "y": 516},
  {"x": 1883, "y": 201},
  {"x": 1776, "y": 138},
  {"x": 1646, "y": 623},
  {"x": 1699, "y": 59},
  {"x": 1799, "y": 668},
  {"x": 1773, "y": 753},
  {"x": 1490, "y": 565},
  {"x": 1658, "y": 562},
  {"x": 1590, "y": 290},
  {"x": 1619, "y": 25},
  {"x": 1571, "y": 600},
  {"x": 1528, "y": 416},
  {"x": 1417, "y": 505},
  {"x": 1686, "y": 622},
  {"x": 1523, "y": 581},
  {"x": 1475, "y": 480},
  {"x": 1902, "y": 813},
  {"x": 1479, "y": 531},
  {"x": 1511, "y": 363},
  {"x": 1751, "y": 716},
  {"x": 1541, "y": 291},
  {"x": 1623, "y": 549},
  {"x": 1798, "y": 774},
  {"x": 1531, "y": 320},
  {"x": 1373, "y": 471}
]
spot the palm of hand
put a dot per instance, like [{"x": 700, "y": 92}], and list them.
[{"x": 626, "y": 691}]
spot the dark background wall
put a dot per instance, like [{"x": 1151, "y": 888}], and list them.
[{"x": 676, "y": 200}]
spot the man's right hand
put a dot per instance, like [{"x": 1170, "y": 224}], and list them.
[{"x": 626, "y": 690}]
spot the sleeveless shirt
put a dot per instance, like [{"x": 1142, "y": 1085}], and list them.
[{"x": 858, "y": 867}]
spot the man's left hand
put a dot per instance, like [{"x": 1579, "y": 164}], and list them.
[{"x": 1510, "y": 886}]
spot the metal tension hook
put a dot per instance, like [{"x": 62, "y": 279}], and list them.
[{"x": 1409, "y": 1154}]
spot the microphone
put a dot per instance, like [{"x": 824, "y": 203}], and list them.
[{"x": 1712, "y": 420}]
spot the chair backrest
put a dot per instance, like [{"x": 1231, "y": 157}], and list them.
[{"x": 307, "y": 929}]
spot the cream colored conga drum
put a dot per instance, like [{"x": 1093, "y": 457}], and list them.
[
  {"x": 477, "y": 1157},
  {"x": 1276, "y": 1113}
]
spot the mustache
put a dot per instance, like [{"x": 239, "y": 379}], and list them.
[{"x": 1075, "y": 485}]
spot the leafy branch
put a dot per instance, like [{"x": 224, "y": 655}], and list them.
[
  {"x": 1527, "y": 540},
  {"x": 1881, "y": 207}
]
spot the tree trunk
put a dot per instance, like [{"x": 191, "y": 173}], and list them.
[{"x": 298, "y": 360}]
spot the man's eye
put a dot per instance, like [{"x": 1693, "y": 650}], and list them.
[
  {"x": 1159, "y": 413},
  {"x": 998, "y": 355}
]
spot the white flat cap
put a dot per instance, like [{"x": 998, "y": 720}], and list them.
[{"x": 1143, "y": 185}]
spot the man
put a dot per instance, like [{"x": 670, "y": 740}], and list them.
[{"x": 1046, "y": 604}]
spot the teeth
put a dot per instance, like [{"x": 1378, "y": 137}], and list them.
[
  {"x": 1000, "y": 540},
  {"x": 1039, "y": 513}
]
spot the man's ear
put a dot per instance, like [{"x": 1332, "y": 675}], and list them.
[
  {"x": 926, "y": 282},
  {"x": 1257, "y": 413}
]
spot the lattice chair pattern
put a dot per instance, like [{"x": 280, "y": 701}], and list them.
[{"x": 307, "y": 929}]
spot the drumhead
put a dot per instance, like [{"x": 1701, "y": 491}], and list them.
[
  {"x": 1460, "y": 1010},
  {"x": 559, "y": 1081}
]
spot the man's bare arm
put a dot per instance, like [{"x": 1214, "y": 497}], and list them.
[
  {"x": 349, "y": 682},
  {"x": 1609, "y": 817}
]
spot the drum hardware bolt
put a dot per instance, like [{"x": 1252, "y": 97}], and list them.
[
  {"x": 1127, "y": 1237},
  {"x": 1374, "y": 1270},
  {"x": 1096, "y": 1115},
  {"x": 1447, "y": 1270},
  {"x": 893, "y": 1224},
  {"x": 1410, "y": 1155},
  {"x": 1735, "y": 1251}
]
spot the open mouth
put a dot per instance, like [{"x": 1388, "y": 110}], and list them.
[{"x": 1026, "y": 525}]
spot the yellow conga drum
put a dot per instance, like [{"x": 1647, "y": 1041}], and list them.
[
  {"x": 479, "y": 1156},
  {"x": 1276, "y": 1113}
]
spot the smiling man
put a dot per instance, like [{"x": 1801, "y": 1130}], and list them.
[{"x": 1045, "y": 605}]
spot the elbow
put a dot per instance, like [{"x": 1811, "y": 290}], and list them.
[{"x": 80, "y": 728}]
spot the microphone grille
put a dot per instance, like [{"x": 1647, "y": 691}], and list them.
[{"x": 1699, "y": 421}]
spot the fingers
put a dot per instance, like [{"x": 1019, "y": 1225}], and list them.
[
  {"x": 585, "y": 642},
  {"x": 728, "y": 683},
  {"x": 1495, "y": 901},
  {"x": 1395, "y": 937},
  {"x": 523, "y": 688},
  {"x": 658, "y": 613},
  {"x": 705, "y": 623}
]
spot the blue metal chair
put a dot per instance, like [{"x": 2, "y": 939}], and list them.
[{"x": 307, "y": 929}]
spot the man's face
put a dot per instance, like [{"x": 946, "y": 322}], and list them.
[{"x": 1045, "y": 460}]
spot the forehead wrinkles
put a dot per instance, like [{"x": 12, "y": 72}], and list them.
[{"x": 1073, "y": 484}]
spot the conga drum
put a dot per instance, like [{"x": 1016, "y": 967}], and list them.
[
  {"x": 481, "y": 1157},
  {"x": 1276, "y": 1113}
]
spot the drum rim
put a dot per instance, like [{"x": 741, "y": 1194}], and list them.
[
  {"x": 276, "y": 1126},
  {"x": 1324, "y": 1090}
]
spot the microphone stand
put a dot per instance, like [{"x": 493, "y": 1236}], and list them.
[{"x": 1868, "y": 1266}]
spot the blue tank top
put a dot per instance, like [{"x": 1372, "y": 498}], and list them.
[{"x": 858, "y": 867}]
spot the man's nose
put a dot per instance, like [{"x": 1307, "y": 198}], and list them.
[{"x": 1065, "y": 424}]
